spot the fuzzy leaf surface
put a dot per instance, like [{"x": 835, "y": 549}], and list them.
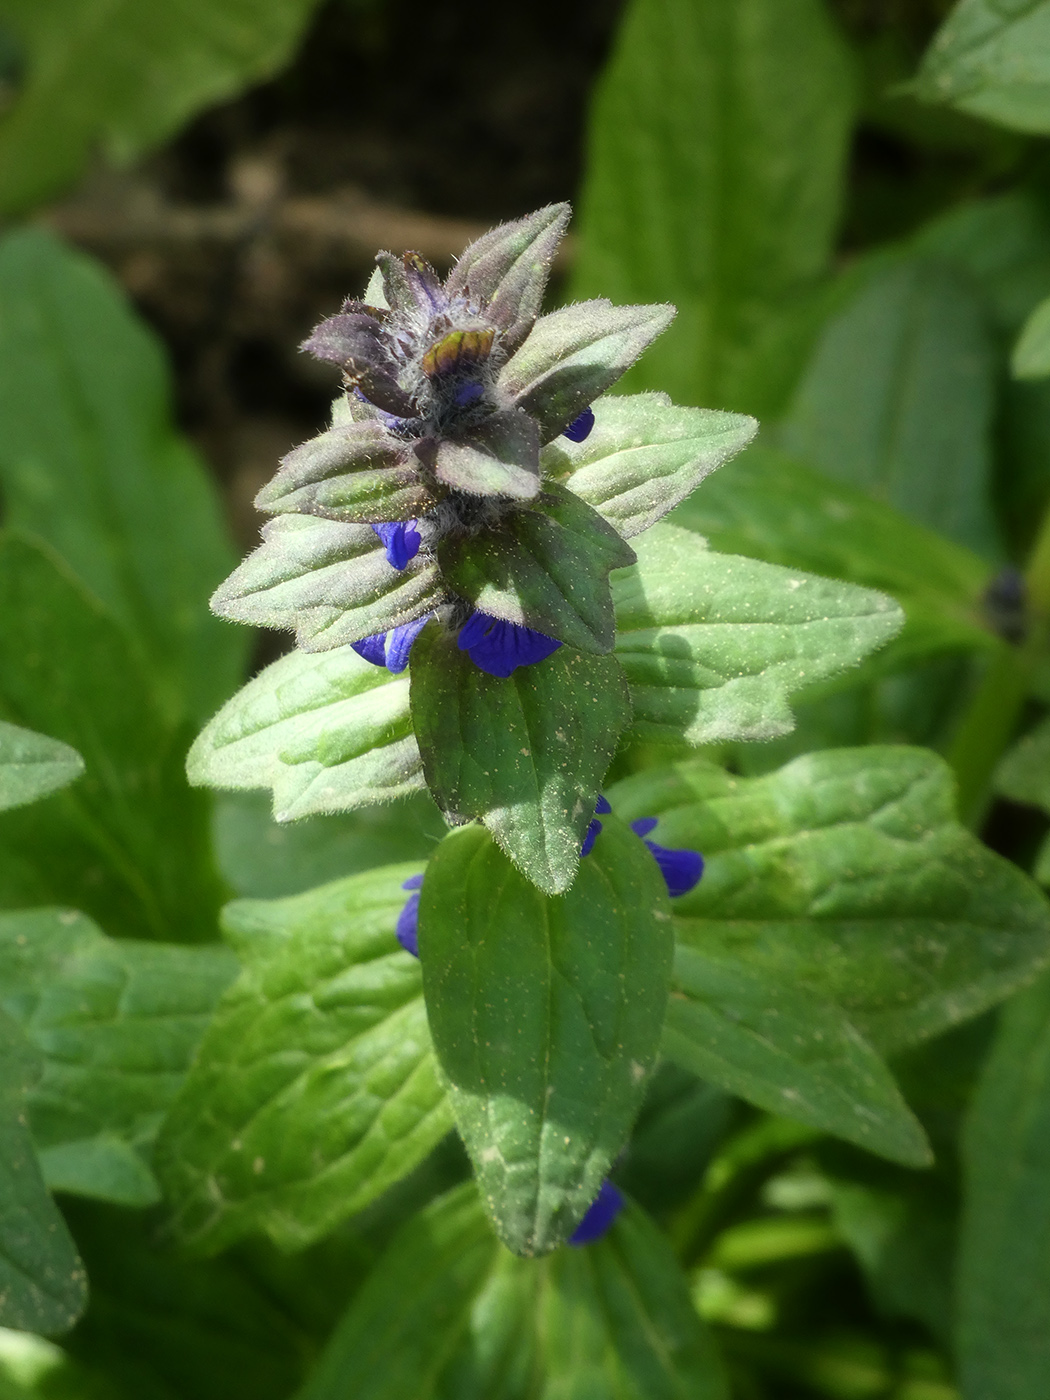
[
  {"x": 991, "y": 58},
  {"x": 328, "y": 581},
  {"x": 847, "y": 876},
  {"x": 1003, "y": 1281},
  {"x": 91, "y": 462},
  {"x": 32, "y": 765},
  {"x": 354, "y": 472},
  {"x": 526, "y": 754},
  {"x": 315, "y": 1087},
  {"x": 714, "y": 180},
  {"x": 509, "y": 266},
  {"x": 128, "y": 843},
  {"x": 43, "y": 1287},
  {"x": 644, "y": 455},
  {"x": 712, "y": 644},
  {"x": 326, "y": 731},
  {"x": 125, "y": 77},
  {"x": 115, "y": 1023},
  {"x": 787, "y": 1052},
  {"x": 899, "y": 397},
  {"x": 545, "y": 569},
  {"x": 546, "y": 1015},
  {"x": 573, "y": 355},
  {"x": 770, "y": 506}
]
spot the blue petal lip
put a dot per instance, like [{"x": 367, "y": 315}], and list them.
[
  {"x": 407, "y": 928},
  {"x": 644, "y": 825},
  {"x": 590, "y": 838},
  {"x": 372, "y": 648},
  {"x": 580, "y": 427},
  {"x": 401, "y": 540},
  {"x": 498, "y": 647},
  {"x": 602, "y": 807},
  {"x": 680, "y": 869},
  {"x": 601, "y": 1213}
]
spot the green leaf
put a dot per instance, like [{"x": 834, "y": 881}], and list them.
[
  {"x": 847, "y": 876},
  {"x": 413, "y": 1309},
  {"x": 712, "y": 644},
  {"x": 613, "y": 1319},
  {"x": 990, "y": 58},
  {"x": 315, "y": 1087},
  {"x": 769, "y": 506},
  {"x": 116, "y": 1024},
  {"x": 788, "y": 1052},
  {"x": 644, "y": 455},
  {"x": 714, "y": 179},
  {"x": 32, "y": 765},
  {"x": 1003, "y": 1280},
  {"x": 574, "y": 354},
  {"x": 129, "y": 843},
  {"x": 526, "y": 754},
  {"x": 352, "y": 472},
  {"x": 899, "y": 398},
  {"x": 298, "y": 578},
  {"x": 1031, "y": 356},
  {"x": 42, "y": 1283},
  {"x": 264, "y": 860},
  {"x": 90, "y": 461},
  {"x": 545, "y": 569},
  {"x": 127, "y": 77},
  {"x": 327, "y": 731},
  {"x": 546, "y": 1016},
  {"x": 1024, "y": 772}
]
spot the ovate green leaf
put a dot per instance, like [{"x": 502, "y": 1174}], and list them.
[
  {"x": 788, "y": 1052},
  {"x": 644, "y": 455},
  {"x": 545, "y": 569},
  {"x": 326, "y": 731},
  {"x": 992, "y": 58},
  {"x": 116, "y": 1024},
  {"x": 712, "y": 644},
  {"x": 546, "y": 1016},
  {"x": 899, "y": 398},
  {"x": 126, "y": 76},
  {"x": 91, "y": 462},
  {"x": 769, "y": 506},
  {"x": 846, "y": 875},
  {"x": 714, "y": 181},
  {"x": 42, "y": 1283},
  {"x": 526, "y": 754},
  {"x": 1003, "y": 1282},
  {"x": 329, "y": 582},
  {"x": 1031, "y": 356},
  {"x": 129, "y": 842},
  {"x": 407, "y": 1319},
  {"x": 32, "y": 765},
  {"x": 315, "y": 1087}
]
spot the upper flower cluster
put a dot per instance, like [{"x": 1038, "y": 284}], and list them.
[{"x": 426, "y": 497}]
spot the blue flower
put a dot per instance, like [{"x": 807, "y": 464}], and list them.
[
  {"x": 407, "y": 929},
  {"x": 500, "y": 647},
  {"x": 602, "y": 809},
  {"x": 402, "y": 541},
  {"x": 580, "y": 427},
  {"x": 601, "y": 1213},
  {"x": 391, "y": 649},
  {"x": 681, "y": 869}
]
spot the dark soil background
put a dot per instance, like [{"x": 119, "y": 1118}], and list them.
[{"x": 407, "y": 124}]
